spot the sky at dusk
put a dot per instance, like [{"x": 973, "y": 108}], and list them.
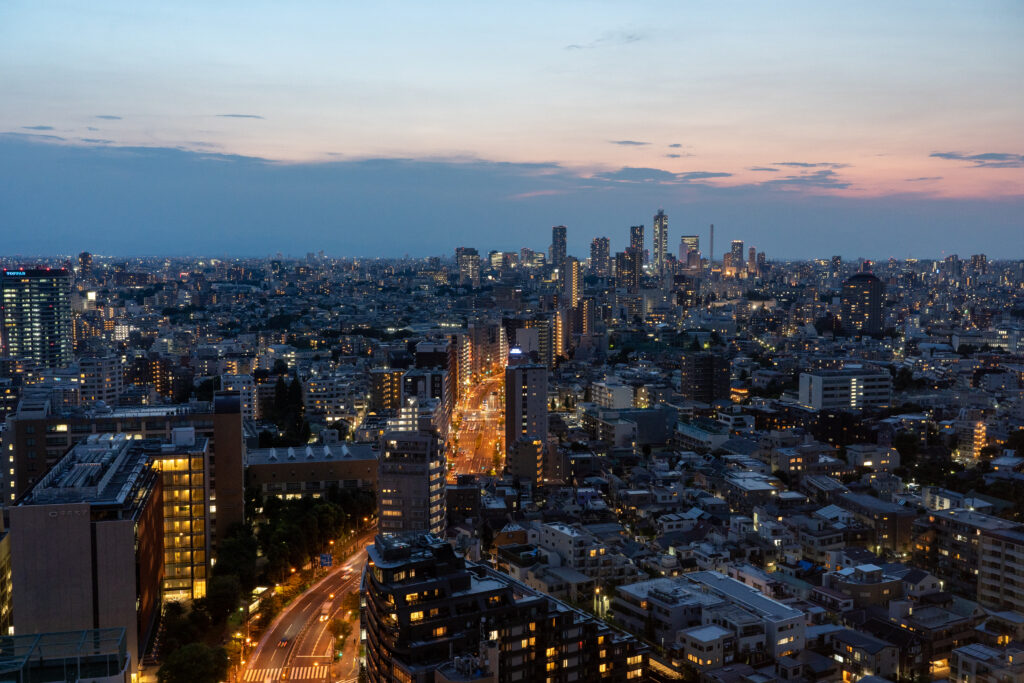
[{"x": 805, "y": 128}]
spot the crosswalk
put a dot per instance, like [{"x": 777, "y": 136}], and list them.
[{"x": 295, "y": 673}]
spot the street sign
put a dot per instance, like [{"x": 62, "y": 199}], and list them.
[{"x": 326, "y": 560}]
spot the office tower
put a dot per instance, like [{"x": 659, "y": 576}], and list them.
[
  {"x": 87, "y": 544},
  {"x": 468, "y": 261},
  {"x": 184, "y": 464},
  {"x": 556, "y": 253},
  {"x": 571, "y": 283},
  {"x": 704, "y": 376},
  {"x": 226, "y": 468},
  {"x": 736, "y": 254},
  {"x": 386, "y": 389},
  {"x": 627, "y": 270},
  {"x": 38, "y": 413},
  {"x": 600, "y": 257},
  {"x": 454, "y": 620},
  {"x": 411, "y": 478},
  {"x": 688, "y": 244},
  {"x": 711, "y": 247},
  {"x": 847, "y": 389},
  {"x": 762, "y": 261},
  {"x": 660, "y": 240},
  {"x": 836, "y": 264},
  {"x": 861, "y": 300},
  {"x": 752, "y": 259},
  {"x": 979, "y": 264},
  {"x": 85, "y": 265},
  {"x": 636, "y": 241},
  {"x": 35, "y": 316},
  {"x": 526, "y": 406}
]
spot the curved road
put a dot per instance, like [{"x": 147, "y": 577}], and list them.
[{"x": 307, "y": 656}]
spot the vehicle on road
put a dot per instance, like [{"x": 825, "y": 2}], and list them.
[
  {"x": 289, "y": 635},
  {"x": 326, "y": 609}
]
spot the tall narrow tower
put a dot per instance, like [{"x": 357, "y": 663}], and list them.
[
  {"x": 636, "y": 241},
  {"x": 557, "y": 250},
  {"x": 711, "y": 247},
  {"x": 660, "y": 240}
]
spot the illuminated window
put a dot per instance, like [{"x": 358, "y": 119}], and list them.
[{"x": 416, "y": 616}]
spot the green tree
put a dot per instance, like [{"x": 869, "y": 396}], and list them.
[
  {"x": 223, "y": 593},
  {"x": 194, "y": 663}
]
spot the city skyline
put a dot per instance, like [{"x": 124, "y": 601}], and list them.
[{"x": 213, "y": 127}]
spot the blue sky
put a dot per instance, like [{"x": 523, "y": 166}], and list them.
[{"x": 806, "y": 128}]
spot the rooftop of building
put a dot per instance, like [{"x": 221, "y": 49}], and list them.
[
  {"x": 707, "y": 633},
  {"x": 744, "y": 595},
  {"x": 66, "y": 655},
  {"x": 105, "y": 469},
  {"x": 978, "y": 520},
  {"x": 336, "y": 452}
]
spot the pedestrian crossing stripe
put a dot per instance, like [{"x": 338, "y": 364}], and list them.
[
  {"x": 294, "y": 673},
  {"x": 298, "y": 672}
]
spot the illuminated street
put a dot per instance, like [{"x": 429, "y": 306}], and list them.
[
  {"x": 480, "y": 435},
  {"x": 299, "y": 645}
]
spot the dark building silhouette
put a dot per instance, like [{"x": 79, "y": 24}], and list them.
[
  {"x": 705, "y": 376},
  {"x": 600, "y": 257},
  {"x": 862, "y": 304}
]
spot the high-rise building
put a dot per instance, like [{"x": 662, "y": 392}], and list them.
[
  {"x": 184, "y": 464},
  {"x": 600, "y": 257},
  {"x": 660, "y": 240},
  {"x": 627, "y": 269},
  {"x": 526, "y": 405},
  {"x": 736, "y": 254},
  {"x": 87, "y": 544},
  {"x": 411, "y": 480},
  {"x": 386, "y": 389},
  {"x": 704, "y": 376},
  {"x": 688, "y": 244},
  {"x": 85, "y": 265},
  {"x": 35, "y": 316},
  {"x": 861, "y": 300},
  {"x": 468, "y": 261},
  {"x": 752, "y": 260},
  {"x": 571, "y": 284},
  {"x": 636, "y": 241},
  {"x": 557, "y": 249},
  {"x": 38, "y": 414},
  {"x": 429, "y": 615},
  {"x": 711, "y": 246},
  {"x": 836, "y": 264}
]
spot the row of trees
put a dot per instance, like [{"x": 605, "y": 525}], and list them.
[{"x": 288, "y": 534}]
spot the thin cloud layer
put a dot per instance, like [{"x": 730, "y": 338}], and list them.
[
  {"x": 239, "y": 116},
  {"x": 608, "y": 39},
  {"x": 629, "y": 143},
  {"x": 984, "y": 160}
]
